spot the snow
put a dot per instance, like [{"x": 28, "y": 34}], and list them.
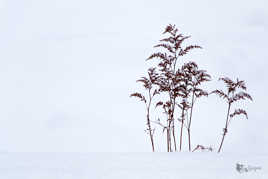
[{"x": 185, "y": 165}]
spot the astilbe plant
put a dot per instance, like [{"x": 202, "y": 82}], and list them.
[
  {"x": 195, "y": 78},
  {"x": 189, "y": 78},
  {"x": 170, "y": 78},
  {"x": 167, "y": 108},
  {"x": 231, "y": 97},
  {"x": 183, "y": 91},
  {"x": 148, "y": 85},
  {"x": 179, "y": 88}
]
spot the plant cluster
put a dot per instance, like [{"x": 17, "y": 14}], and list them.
[{"x": 173, "y": 86}]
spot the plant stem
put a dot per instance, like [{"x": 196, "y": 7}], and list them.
[
  {"x": 189, "y": 139},
  {"x": 168, "y": 136},
  {"x": 174, "y": 138},
  {"x": 225, "y": 129},
  {"x": 148, "y": 120},
  {"x": 181, "y": 127},
  {"x": 150, "y": 131},
  {"x": 189, "y": 125}
]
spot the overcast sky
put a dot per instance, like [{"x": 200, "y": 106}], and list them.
[{"x": 67, "y": 69}]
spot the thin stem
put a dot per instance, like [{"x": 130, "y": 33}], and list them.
[
  {"x": 174, "y": 138},
  {"x": 225, "y": 129},
  {"x": 189, "y": 125},
  {"x": 169, "y": 129},
  {"x": 168, "y": 147},
  {"x": 189, "y": 139},
  {"x": 181, "y": 128},
  {"x": 148, "y": 120}
]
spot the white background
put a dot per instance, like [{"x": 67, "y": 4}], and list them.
[{"x": 67, "y": 69}]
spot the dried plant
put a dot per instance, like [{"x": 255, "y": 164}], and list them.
[
  {"x": 203, "y": 148},
  {"x": 194, "y": 78},
  {"x": 167, "y": 108},
  {"x": 232, "y": 96},
  {"x": 148, "y": 85},
  {"x": 182, "y": 90},
  {"x": 179, "y": 87},
  {"x": 171, "y": 78}
]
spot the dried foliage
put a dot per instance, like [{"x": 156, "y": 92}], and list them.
[
  {"x": 138, "y": 95},
  {"x": 203, "y": 148},
  {"x": 148, "y": 85},
  {"x": 220, "y": 93},
  {"x": 239, "y": 112},
  {"x": 232, "y": 96},
  {"x": 178, "y": 87},
  {"x": 239, "y": 96},
  {"x": 172, "y": 80},
  {"x": 195, "y": 78}
]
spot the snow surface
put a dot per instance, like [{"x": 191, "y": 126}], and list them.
[{"x": 200, "y": 165}]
